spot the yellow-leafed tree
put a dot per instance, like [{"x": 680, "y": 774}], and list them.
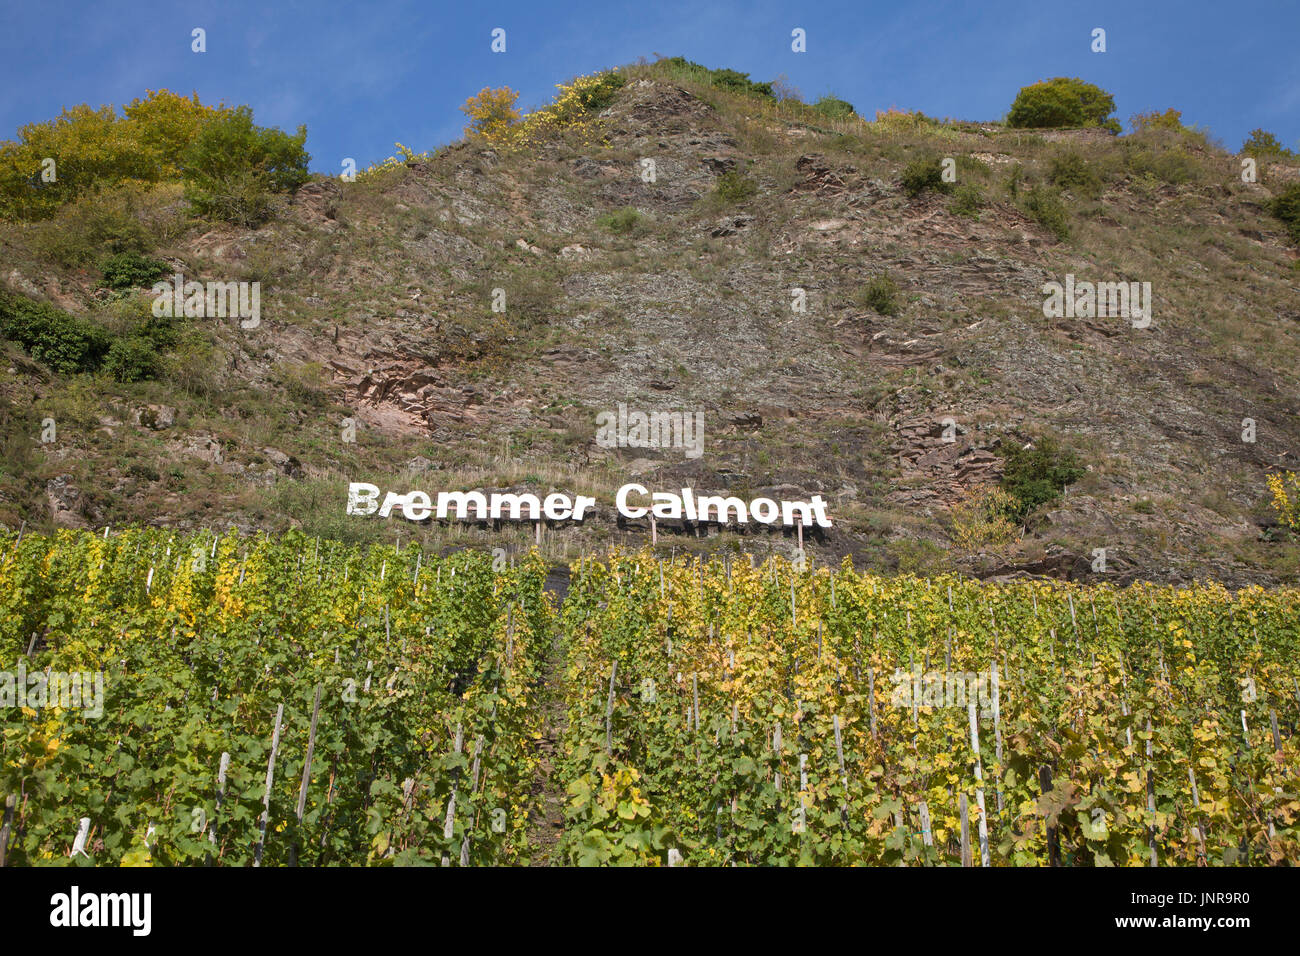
[
  {"x": 491, "y": 112},
  {"x": 85, "y": 149}
]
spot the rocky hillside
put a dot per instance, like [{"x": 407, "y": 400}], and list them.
[{"x": 920, "y": 359}]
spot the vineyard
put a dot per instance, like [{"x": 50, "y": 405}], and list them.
[
  {"x": 292, "y": 701},
  {"x": 269, "y": 701},
  {"x": 743, "y": 715}
]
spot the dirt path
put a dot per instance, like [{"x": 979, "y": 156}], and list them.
[{"x": 546, "y": 824}]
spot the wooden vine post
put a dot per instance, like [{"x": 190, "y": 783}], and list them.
[
  {"x": 306, "y": 770},
  {"x": 979, "y": 783},
  {"x": 266, "y": 795},
  {"x": 965, "y": 830},
  {"x": 448, "y": 827},
  {"x": 609, "y": 711}
]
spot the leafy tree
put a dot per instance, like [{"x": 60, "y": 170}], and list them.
[
  {"x": 87, "y": 147},
  {"x": 491, "y": 112},
  {"x": 164, "y": 124},
  {"x": 94, "y": 149},
  {"x": 229, "y": 165},
  {"x": 1262, "y": 144},
  {"x": 1062, "y": 102},
  {"x": 1037, "y": 474},
  {"x": 233, "y": 168}
]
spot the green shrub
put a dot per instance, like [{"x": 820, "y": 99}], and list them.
[
  {"x": 1286, "y": 206},
  {"x": 732, "y": 80},
  {"x": 91, "y": 227},
  {"x": 1038, "y": 474},
  {"x": 922, "y": 174},
  {"x": 162, "y": 333},
  {"x": 133, "y": 359},
  {"x": 966, "y": 201},
  {"x": 306, "y": 384},
  {"x": 142, "y": 472},
  {"x": 193, "y": 367},
  {"x": 880, "y": 294},
  {"x": 1264, "y": 145},
  {"x": 70, "y": 345},
  {"x": 1170, "y": 120},
  {"x": 233, "y": 168},
  {"x": 62, "y": 341},
  {"x": 130, "y": 270},
  {"x": 1161, "y": 156},
  {"x": 734, "y": 186},
  {"x": 1069, "y": 170},
  {"x": 133, "y": 317},
  {"x": 1062, "y": 102},
  {"x": 1048, "y": 211},
  {"x": 1015, "y": 176},
  {"x": 595, "y": 96},
  {"x": 833, "y": 107},
  {"x": 623, "y": 222},
  {"x": 739, "y": 82}
]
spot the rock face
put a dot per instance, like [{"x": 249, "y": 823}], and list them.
[
  {"x": 287, "y": 465},
  {"x": 316, "y": 203},
  {"x": 203, "y": 447},
  {"x": 64, "y": 502},
  {"x": 155, "y": 417},
  {"x": 820, "y": 176},
  {"x": 397, "y": 390},
  {"x": 731, "y": 225},
  {"x": 941, "y": 453}
]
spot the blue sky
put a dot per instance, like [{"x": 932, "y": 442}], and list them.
[{"x": 363, "y": 76}]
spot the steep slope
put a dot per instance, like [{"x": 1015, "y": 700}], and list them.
[{"x": 377, "y": 307}]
